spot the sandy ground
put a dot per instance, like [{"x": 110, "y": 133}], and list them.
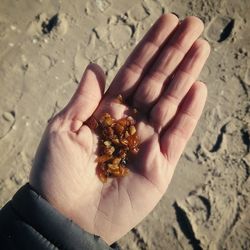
[{"x": 44, "y": 47}]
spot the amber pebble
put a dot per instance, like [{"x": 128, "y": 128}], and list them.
[
  {"x": 109, "y": 150},
  {"x": 107, "y": 143},
  {"x": 116, "y": 160},
  {"x": 119, "y": 128},
  {"x": 117, "y": 140},
  {"x": 113, "y": 167},
  {"x": 124, "y": 171},
  {"x": 107, "y": 120},
  {"x": 134, "y": 150},
  {"x": 103, "y": 158},
  {"x": 132, "y": 130},
  {"x": 116, "y": 172},
  {"x": 133, "y": 141},
  {"x": 124, "y": 142},
  {"x": 108, "y": 132},
  {"x": 127, "y": 134},
  {"x": 123, "y": 122}
]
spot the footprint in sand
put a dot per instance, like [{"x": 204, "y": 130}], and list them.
[
  {"x": 186, "y": 226},
  {"x": 107, "y": 39},
  {"x": 200, "y": 207},
  {"x": 7, "y": 121},
  {"x": 138, "y": 12},
  {"x": 56, "y": 25},
  {"x": 120, "y": 34},
  {"x": 98, "y": 5},
  {"x": 219, "y": 29}
]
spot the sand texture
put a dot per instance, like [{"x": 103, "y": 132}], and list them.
[{"x": 44, "y": 48}]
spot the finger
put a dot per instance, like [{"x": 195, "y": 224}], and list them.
[
  {"x": 127, "y": 78},
  {"x": 171, "y": 55},
  {"x": 86, "y": 98},
  {"x": 181, "y": 128},
  {"x": 186, "y": 74}
]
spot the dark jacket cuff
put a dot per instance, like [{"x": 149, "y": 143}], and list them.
[{"x": 29, "y": 222}]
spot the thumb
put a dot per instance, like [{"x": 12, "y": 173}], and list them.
[{"x": 86, "y": 98}]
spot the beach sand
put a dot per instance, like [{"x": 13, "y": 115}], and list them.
[{"x": 44, "y": 48}]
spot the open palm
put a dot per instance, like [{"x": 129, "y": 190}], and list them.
[{"x": 159, "y": 79}]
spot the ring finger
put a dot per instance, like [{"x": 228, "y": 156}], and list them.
[{"x": 188, "y": 71}]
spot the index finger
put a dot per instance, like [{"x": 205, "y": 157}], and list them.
[{"x": 126, "y": 80}]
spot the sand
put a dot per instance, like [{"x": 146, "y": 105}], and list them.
[{"x": 45, "y": 46}]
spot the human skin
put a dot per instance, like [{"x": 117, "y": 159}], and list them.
[{"x": 159, "y": 78}]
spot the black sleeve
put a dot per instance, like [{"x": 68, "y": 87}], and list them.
[{"x": 29, "y": 222}]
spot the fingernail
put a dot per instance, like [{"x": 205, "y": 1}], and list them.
[{"x": 175, "y": 14}]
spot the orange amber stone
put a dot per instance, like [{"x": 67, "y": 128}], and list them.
[{"x": 118, "y": 140}]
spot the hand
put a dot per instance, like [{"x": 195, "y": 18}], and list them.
[{"x": 159, "y": 78}]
